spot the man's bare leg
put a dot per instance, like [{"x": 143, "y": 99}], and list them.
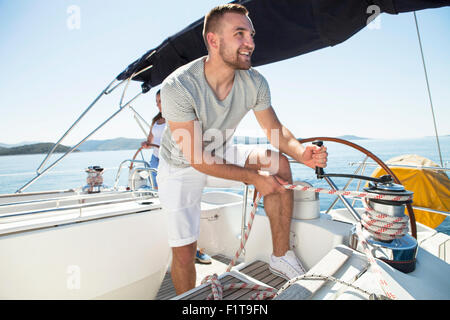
[
  {"x": 279, "y": 206},
  {"x": 183, "y": 267}
]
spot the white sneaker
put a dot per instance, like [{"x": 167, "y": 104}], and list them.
[{"x": 287, "y": 266}]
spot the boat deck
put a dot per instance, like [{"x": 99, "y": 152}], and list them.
[{"x": 257, "y": 270}]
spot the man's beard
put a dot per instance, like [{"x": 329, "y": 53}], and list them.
[{"x": 232, "y": 59}]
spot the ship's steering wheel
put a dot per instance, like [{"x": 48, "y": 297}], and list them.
[
  {"x": 412, "y": 218},
  {"x": 139, "y": 150}
]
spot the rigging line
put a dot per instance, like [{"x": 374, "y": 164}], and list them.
[
  {"x": 428, "y": 88},
  {"x": 136, "y": 114},
  {"x": 140, "y": 125}
]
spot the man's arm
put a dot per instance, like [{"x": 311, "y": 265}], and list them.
[
  {"x": 189, "y": 138},
  {"x": 282, "y": 139}
]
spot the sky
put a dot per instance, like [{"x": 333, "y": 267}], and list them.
[{"x": 57, "y": 56}]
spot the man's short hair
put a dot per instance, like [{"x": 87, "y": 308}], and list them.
[{"x": 211, "y": 24}]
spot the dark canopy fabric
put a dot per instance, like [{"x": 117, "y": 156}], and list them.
[{"x": 284, "y": 29}]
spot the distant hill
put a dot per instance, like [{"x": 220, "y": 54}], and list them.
[
  {"x": 23, "y": 143},
  {"x": 111, "y": 144},
  {"x": 36, "y": 148},
  {"x": 134, "y": 144},
  {"x": 351, "y": 137},
  {"x": 119, "y": 144}
]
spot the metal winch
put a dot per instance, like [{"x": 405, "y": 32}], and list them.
[
  {"x": 94, "y": 180},
  {"x": 385, "y": 226},
  {"x": 384, "y": 223}
]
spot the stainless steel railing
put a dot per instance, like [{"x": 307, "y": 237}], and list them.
[
  {"x": 37, "y": 209},
  {"x": 147, "y": 168}
]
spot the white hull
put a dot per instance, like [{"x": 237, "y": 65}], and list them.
[{"x": 119, "y": 255}]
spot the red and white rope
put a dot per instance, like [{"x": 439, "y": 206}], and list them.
[
  {"x": 373, "y": 263},
  {"x": 380, "y": 225},
  {"x": 247, "y": 232},
  {"x": 355, "y": 194},
  {"x": 218, "y": 289}
]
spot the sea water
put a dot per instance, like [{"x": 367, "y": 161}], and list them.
[{"x": 16, "y": 171}]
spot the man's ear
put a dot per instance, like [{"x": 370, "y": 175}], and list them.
[{"x": 213, "y": 40}]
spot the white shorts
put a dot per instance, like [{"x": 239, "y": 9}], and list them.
[{"x": 180, "y": 192}]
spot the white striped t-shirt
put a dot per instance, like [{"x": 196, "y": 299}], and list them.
[{"x": 186, "y": 96}]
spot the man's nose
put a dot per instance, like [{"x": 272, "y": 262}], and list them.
[{"x": 249, "y": 42}]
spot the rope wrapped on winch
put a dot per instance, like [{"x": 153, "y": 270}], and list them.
[{"x": 382, "y": 226}]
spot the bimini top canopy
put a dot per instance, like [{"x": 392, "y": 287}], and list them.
[{"x": 284, "y": 29}]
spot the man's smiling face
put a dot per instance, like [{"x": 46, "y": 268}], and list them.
[{"x": 236, "y": 43}]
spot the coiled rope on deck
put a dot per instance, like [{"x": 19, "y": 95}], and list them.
[{"x": 218, "y": 289}]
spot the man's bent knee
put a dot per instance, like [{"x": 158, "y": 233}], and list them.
[
  {"x": 284, "y": 170},
  {"x": 263, "y": 159},
  {"x": 271, "y": 161}
]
